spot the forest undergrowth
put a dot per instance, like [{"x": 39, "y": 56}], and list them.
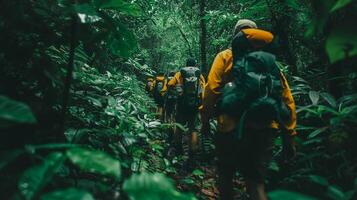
[{"x": 77, "y": 124}]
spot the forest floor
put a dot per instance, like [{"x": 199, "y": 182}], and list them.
[
  {"x": 204, "y": 185},
  {"x": 201, "y": 178}
]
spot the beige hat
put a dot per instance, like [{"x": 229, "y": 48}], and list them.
[{"x": 244, "y": 23}]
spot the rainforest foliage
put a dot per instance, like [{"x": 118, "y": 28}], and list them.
[{"x": 76, "y": 122}]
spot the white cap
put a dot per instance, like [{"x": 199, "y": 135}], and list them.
[{"x": 244, "y": 23}]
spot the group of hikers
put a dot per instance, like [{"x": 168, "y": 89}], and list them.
[{"x": 248, "y": 96}]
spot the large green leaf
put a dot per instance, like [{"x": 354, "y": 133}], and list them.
[
  {"x": 94, "y": 161},
  {"x": 152, "y": 187},
  {"x": 317, "y": 132},
  {"x": 120, "y": 5},
  {"x": 121, "y": 41},
  {"x": 321, "y": 15},
  {"x": 293, "y": 4},
  {"x": 68, "y": 194},
  {"x": 329, "y": 99},
  {"x": 50, "y": 146},
  {"x": 12, "y": 111},
  {"x": 314, "y": 97},
  {"x": 287, "y": 195},
  {"x": 321, "y": 109},
  {"x": 87, "y": 13},
  {"x": 319, "y": 180},
  {"x": 342, "y": 42},
  {"x": 198, "y": 172},
  {"x": 35, "y": 178},
  {"x": 340, "y": 4},
  {"x": 335, "y": 193}
]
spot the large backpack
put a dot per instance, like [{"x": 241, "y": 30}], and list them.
[
  {"x": 159, "y": 85},
  {"x": 255, "y": 94},
  {"x": 191, "y": 88},
  {"x": 171, "y": 93}
]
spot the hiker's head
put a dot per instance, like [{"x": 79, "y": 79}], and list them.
[
  {"x": 244, "y": 24},
  {"x": 160, "y": 74},
  {"x": 172, "y": 73},
  {"x": 190, "y": 62}
]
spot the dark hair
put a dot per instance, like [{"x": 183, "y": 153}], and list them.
[
  {"x": 238, "y": 30},
  {"x": 160, "y": 74},
  {"x": 172, "y": 73},
  {"x": 240, "y": 46},
  {"x": 190, "y": 62}
]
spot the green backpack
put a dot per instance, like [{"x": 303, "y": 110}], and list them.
[
  {"x": 255, "y": 94},
  {"x": 191, "y": 88}
]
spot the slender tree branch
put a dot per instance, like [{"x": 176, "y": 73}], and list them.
[
  {"x": 69, "y": 77},
  {"x": 203, "y": 37}
]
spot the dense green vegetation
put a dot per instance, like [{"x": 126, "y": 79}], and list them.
[{"x": 76, "y": 123}]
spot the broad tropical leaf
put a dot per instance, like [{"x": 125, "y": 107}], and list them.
[
  {"x": 37, "y": 177},
  {"x": 94, "y": 161},
  {"x": 329, "y": 99},
  {"x": 68, "y": 194},
  {"x": 342, "y": 42},
  {"x": 87, "y": 13},
  {"x": 152, "y": 187},
  {"x": 317, "y": 132},
  {"x": 314, "y": 97},
  {"x": 335, "y": 193},
  {"x": 287, "y": 195},
  {"x": 12, "y": 111},
  {"x": 319, "y": 180},
  {"x": 340, "y": 4},
  {"x": 120, "y": 5}
]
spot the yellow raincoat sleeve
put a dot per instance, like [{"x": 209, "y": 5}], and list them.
[
  {"x": 164, "y": 88},
  {"x": 213, "y": 86},
  {"x": 152, "y": 86},
  {"x": 202, "y": 81},
  {"x": 290, "y": 103},
  {"x": 177, "y": 79}
]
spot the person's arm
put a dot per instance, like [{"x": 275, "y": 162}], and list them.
[
  {"x": 288, "y": 99},
  {"x": 175, "y": 80},
  {"x": 289, "y": 147},
  {"x": 201, "y": 90},
  {"x": 211, "y": 92},
  {"x": 164, "y": 88},
  {"x": 202, "y": 81},
  {"x": 213, "y": 86}
]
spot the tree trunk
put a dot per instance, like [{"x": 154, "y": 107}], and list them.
[
  {"x": 281, "y": 22},
  {"x": 203, "y": 37},
  {"x": 69, "y": 77}
]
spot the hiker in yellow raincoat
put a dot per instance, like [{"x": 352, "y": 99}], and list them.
[
  {"x": 249, "y": 155},
  {"x": 158, "y": 91},
  {"x": 189, "y": 83}
]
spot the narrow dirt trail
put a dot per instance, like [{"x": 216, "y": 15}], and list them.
[{"x": 202, "y": 181}]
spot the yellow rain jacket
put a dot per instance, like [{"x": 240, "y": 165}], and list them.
[
  {"x": 220, "y": 74},
  {"x": 164, "y": 89},
  {"x": 178, "y": 79}
]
